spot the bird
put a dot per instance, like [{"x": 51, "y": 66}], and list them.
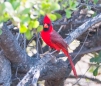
[{"x": 55, "y": 40}]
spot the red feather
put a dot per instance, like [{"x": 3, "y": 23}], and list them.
[{"x": 54, "y": 40}]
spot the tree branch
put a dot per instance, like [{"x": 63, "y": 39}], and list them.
[
  {"x": 13, "y": 51},
  {"x": 82, "y": 52},
  {"x": 86, "y": 77},
  {"x": 10, "y": 46},
  {"x": 5, "y": 71},
  {"x": 83, "y": 28}
]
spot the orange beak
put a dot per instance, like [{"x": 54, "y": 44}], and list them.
[{"x": 45, "y": 26}]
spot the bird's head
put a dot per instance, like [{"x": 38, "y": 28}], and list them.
[{"x": 47, "y": 23}]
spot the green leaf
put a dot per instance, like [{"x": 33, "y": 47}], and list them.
[
  {"x": 28, "y": 34},
  {"x": 6, "y": 16},
  {"x": 1, "y": 19},
  {"x": 25, "y": 18},
  {"x": 100, "y": 54},
  {"x": 15, "y": 4},
  {"x": 48, "y": 6},
  {"x": 42, "y": 12},
  {"x": 94, "y": 14},
  {"x": 52, "y": 17},
  {"x": 30, "y": 25},
  {"x": 9, "y": 8},
  {"x": 93, "y": 59},
  {"x": 45, "y": 5},
  {"x": 26, "y": 11},
  {"x": 40, "y": 27},
  {"x": 95, "y": 1},
  {"x": 23, "y": 28},
  {"x": 56, "y": 6},
  {"x": 97, "y": 58},
  {"x": 0, "y": 31},
  {"x": 35, "y": 24},
  {"x": 64, "y": 5},
  {"x": 95, "y": 72},
  {"x": 91, "y": 69},
  {"x": 68, "y": 13},
  {"x": 2, "y": 7},
  {"x": 70, "y": 2},
  {"x": 58, "y": 15},
  {"x": 73, "y": 4}
]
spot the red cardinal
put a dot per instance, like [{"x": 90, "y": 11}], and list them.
[{"x": 54, "y": 40}]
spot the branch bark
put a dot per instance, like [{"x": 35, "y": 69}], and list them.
[
  {"x": 5, "y": 71},
  {"x": 83, "y": 28},
  {"x": 13, "y": 51}
]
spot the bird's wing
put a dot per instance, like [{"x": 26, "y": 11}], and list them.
[{"x": 58, "y": 40}]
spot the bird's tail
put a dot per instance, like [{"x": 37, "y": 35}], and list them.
[{"x": 71, "y": 62}]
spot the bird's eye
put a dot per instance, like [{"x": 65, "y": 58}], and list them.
[{"x": 48, "y": 24}]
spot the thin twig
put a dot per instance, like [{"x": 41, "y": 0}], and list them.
[
  {"x": 62, "y": 26},
  {"x": 86, "y": 77},
  {"x": 37, "y": 45},
  {"x": 16, "y": 74},
  {"x": 83, "y": 52},
  {"x": 82, "y": 76},
  {"x": 81, "y": 47},
  {"x": 18, "y": 35},
  {"x": 25, "y": 47}
]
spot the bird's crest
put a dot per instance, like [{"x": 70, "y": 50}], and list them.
[{"x": 46, "y": 19}]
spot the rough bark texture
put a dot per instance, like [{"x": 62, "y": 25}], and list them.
[
  {"x": 7, "y": 38},
  {"x": 54, "y": 82},
  {"x": 5, "y": 71},
  {"x": 13, "y": 51}
]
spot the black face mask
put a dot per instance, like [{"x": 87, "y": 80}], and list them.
[{"x": 46, "y": 29}]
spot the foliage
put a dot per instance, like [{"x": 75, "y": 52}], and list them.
[
  {"x": 25, "y": 13},
  {"x": 97, "y": 60},
  {"x": 69, "y": 6},
  {"x": 95, "y": 1}
]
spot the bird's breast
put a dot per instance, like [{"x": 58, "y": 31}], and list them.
[{"x": 46, "y": 38}]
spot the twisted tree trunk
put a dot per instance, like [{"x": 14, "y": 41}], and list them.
[{"x": 5, "y": 71}]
